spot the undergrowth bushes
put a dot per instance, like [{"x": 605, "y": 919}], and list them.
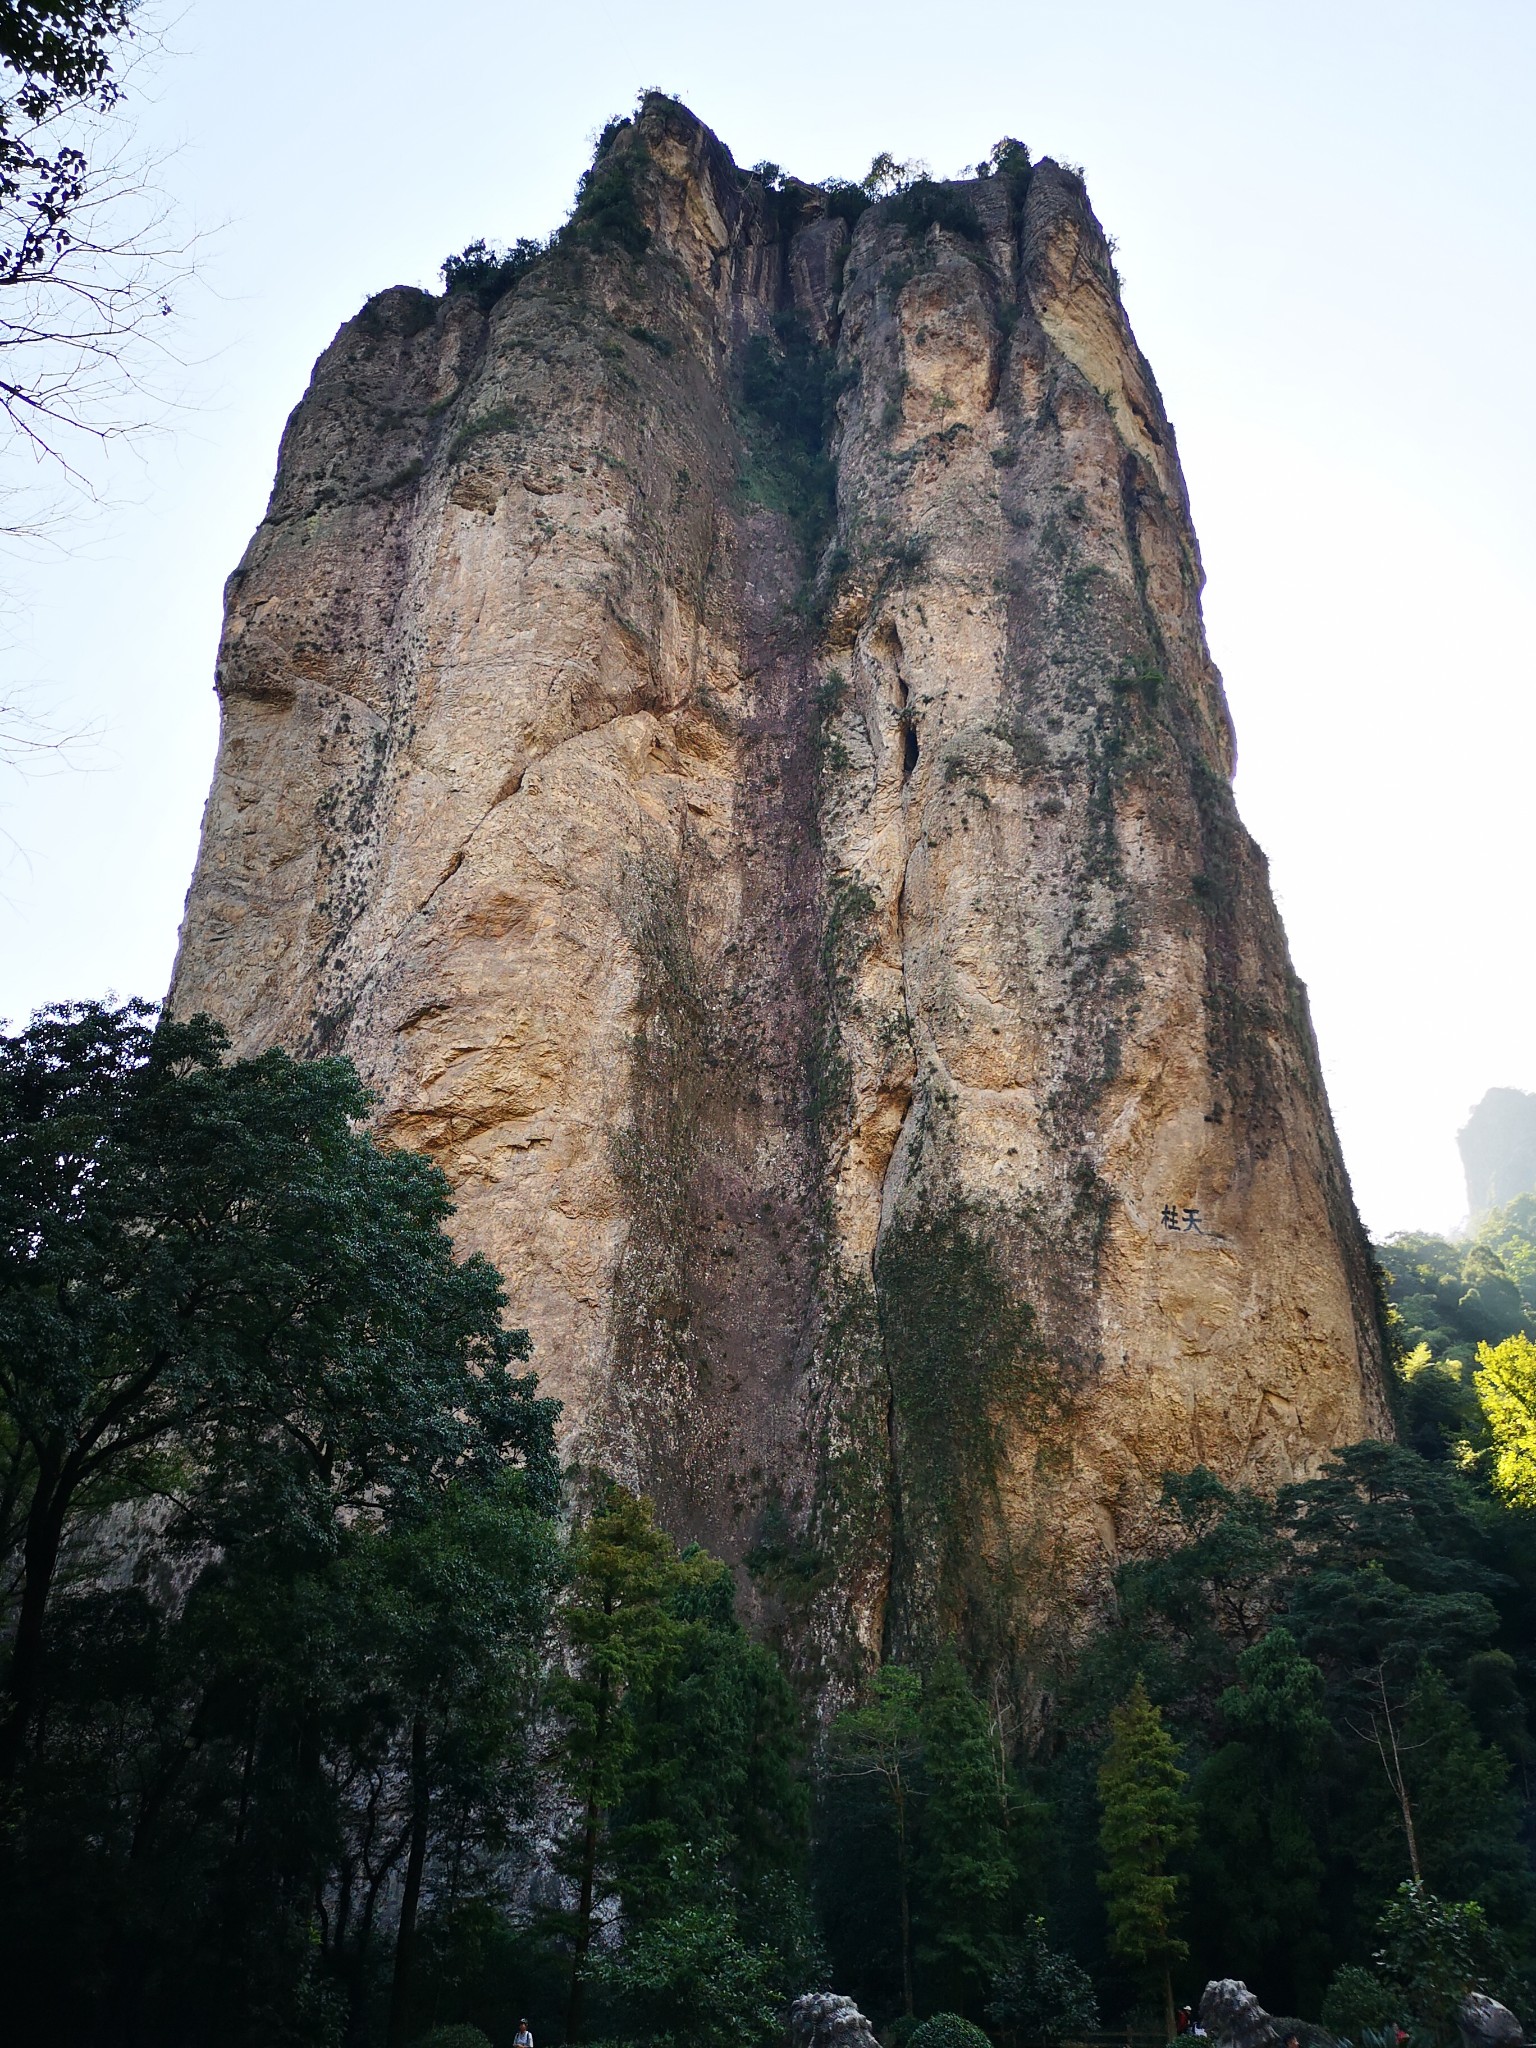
[{"x": 606, "y": 216}]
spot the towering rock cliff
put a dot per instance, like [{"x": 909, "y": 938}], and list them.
[{"x": 721, "y": 732}]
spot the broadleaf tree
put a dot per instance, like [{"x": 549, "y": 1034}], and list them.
[
  {"x": 239, "y": 1352},
  {"x": 217, "y": 1292}
]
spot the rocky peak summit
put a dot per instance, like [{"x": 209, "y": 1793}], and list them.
[{"x": 717, "y": 724}]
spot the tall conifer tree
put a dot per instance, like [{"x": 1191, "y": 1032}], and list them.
[
  {"x": 967, "y": 1872},
  {"x": 1145, "y": 1821}
]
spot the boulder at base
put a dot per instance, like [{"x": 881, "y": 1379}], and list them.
[
  {"x": 1484, "y": 2023},
  {"x": 1233, "y": 2017},
  {"x": 822, "y": 2019}
]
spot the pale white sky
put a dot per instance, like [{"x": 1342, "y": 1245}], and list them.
[{"x": 1325, "y": 217}]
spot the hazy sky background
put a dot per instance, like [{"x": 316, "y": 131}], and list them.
[{"x": 1325, "y": 226}]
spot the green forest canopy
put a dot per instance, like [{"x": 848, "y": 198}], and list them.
[
  {"x": 1452, "y": 1301},
  {"x": 335, "y": 1716}
]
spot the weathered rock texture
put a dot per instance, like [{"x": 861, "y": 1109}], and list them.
[
  {"x": 826, "y": 961},
  {"x": 1234, "y": 2018},
  {"x": 1484, "y": 2023},
  {"x": 823, "y": 2019}
]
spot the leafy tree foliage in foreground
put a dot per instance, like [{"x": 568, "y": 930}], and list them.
[
  {"x": 215, "y": 1292},
  {"x": 1346, "y": 1671},
  {"x": 1506, "y": 1387},
  {"x": 1464, "y": 1316},
  {"x": 928, "y": 1846},
  {"x": 1301, "y": 1704},
  {"x": 280, "y": 1529},
  {"x": 229, "y": 1320}
]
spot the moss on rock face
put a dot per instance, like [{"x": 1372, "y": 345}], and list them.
[
  {"x": 846, "y": 936},
  {"x": 851, "y": 1513},
  {"x": 967, "y": 1371},
  {"x": 788, "y": 391},
  {"x": 658, "y": 1361}
]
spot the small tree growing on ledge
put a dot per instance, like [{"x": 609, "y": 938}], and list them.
[{"x": 488, "y": 272}]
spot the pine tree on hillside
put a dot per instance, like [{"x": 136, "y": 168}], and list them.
[
  {"x": 621, "y": 1632},
  {"x": 881, "y": 1742},
  {"x": 1144, "y": 1822},
  {"x": 1258, "y": 1796},
  {"x": 967, "y": 1870}
]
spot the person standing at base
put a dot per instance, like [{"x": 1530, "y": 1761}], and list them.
[{"x": 522, "y": 2038}]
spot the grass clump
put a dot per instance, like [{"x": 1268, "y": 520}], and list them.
[
  {"x": 783, "y": 1563},
  {"x": 503, "y": 420},
  {"x": 1142, "y": 679}
]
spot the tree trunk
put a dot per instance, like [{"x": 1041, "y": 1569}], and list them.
[
  {"x": 907, "y": 2002},
  {"x": 1409, "y": 1830},
  {"x": 40, "y": 1557},
  {"x": 1394, "y": 1770},
  {"x": 405, "y": 1935},
  {"x": 577, "y": 1999},
  {"x": 1169, "y": 2022}
]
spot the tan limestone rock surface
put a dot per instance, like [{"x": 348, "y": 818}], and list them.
[{"x": 837, "y": 984}]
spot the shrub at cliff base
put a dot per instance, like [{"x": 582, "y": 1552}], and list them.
[
  {"x": 1357, "y": 2004},
  {"x": 947, "y": 2030},
  {"x": 1433, "y": 1952},
  {"x": 1042, "y": 1994}
]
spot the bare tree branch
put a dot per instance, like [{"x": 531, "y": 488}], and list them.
[
  {"x": 1383, "y": 1734},
  {"x": 92, "y": 258}
]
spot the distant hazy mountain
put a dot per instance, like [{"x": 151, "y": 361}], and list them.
[{"x": 1498, "y": 1150}]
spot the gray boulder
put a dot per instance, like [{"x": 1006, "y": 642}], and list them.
[
  {"x": 1484, "y": 2023},
  {"x": 1233, "y": 2017},
  {"x": 821, "y": 2019}
]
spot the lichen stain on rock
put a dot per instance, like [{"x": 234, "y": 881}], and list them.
[{"x": 725, "y": 739}]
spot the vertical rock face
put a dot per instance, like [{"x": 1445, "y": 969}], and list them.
[{"x": 724, "y": 738}]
